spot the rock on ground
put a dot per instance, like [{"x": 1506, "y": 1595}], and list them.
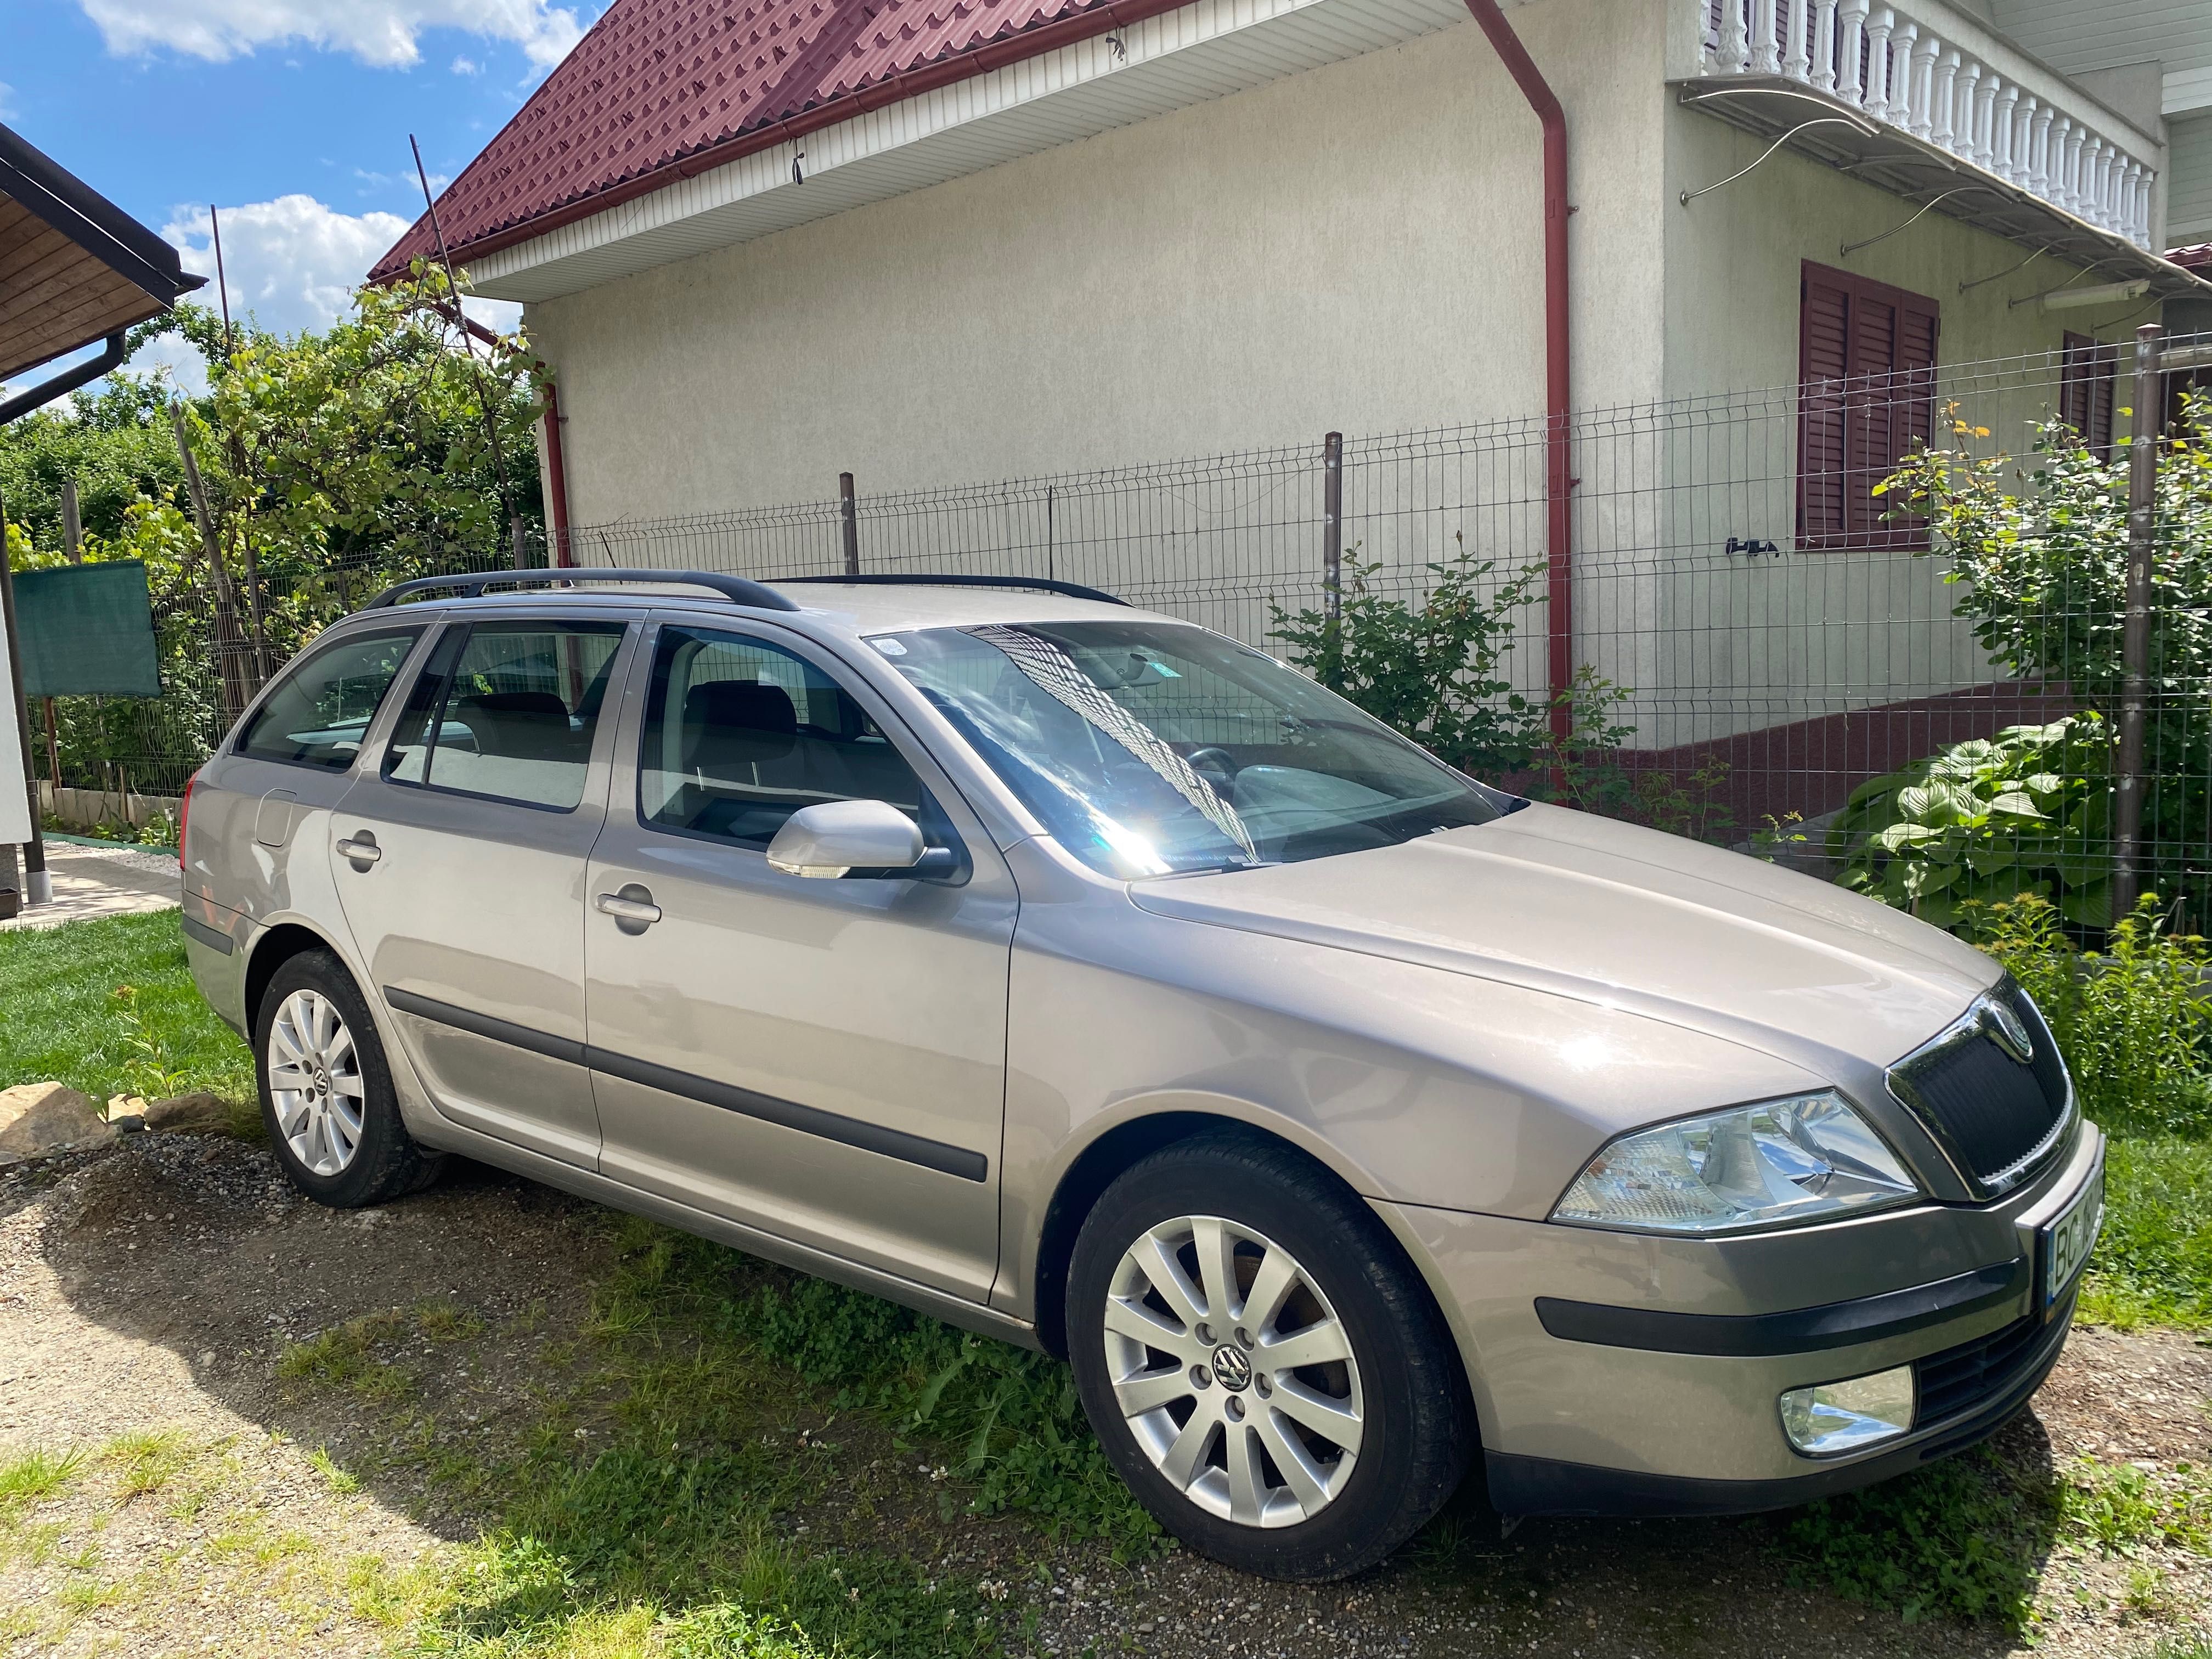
[{"x": 38, "y": 1119}]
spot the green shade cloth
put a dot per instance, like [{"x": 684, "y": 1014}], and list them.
[{"x": 87, "y": 630}]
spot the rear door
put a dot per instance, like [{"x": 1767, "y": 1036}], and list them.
[{"x": 460, "y": 862}]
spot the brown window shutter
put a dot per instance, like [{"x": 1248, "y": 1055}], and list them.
[
  {"x": 2086, "y": 389},
  {"x": 1866, "y": 400},
  {"x": 1824, "y": 357}
]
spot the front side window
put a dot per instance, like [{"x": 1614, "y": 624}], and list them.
[
  {"x": 1150, "y": 748},
  {"x": 507, "y": 710},
  {"x": 320, "y": 710},
  {"x": 739, "y": 734}
]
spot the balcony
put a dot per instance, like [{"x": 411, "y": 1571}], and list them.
[{"x": 1924, "y": 100}]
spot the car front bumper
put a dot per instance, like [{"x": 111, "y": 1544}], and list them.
[{"x": 1623, "y": 1374}]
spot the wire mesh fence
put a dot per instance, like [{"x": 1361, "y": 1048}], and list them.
[{"x": 1754, "y": 631}]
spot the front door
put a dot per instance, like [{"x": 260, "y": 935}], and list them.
[
  {"x": 823, "y": 1060},
  {"x": 459, "y": 864}
]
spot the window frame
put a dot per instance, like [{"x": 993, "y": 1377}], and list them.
[
  {"x": 235, "y": 748},
  {"x": 1847, "y": 398},
  {"x": 461, "y": 629},
  {"x": 852, "y": 684}
]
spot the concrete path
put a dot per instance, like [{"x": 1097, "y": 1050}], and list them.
[{"x": 104, "y": 881}]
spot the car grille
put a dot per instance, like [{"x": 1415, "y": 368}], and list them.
[
  {"x": 1995, "y": 1113},
  {"x": 1959, "y": 1379}
]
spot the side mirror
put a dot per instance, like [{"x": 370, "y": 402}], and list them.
[{"x": 836, "y": 838}]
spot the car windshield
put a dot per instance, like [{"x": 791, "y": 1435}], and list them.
[{"x": 1153, "y": 748}]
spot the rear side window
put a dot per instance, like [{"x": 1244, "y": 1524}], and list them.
[
  {"x": 740, "y": 734},
  {"x": 507, "y": 710},
  {"x": 320, "y": 710}
]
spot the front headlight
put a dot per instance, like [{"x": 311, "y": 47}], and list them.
[{"x": 1781, "y": 1161}]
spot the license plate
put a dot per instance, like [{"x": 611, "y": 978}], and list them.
[{"x": 2064, "y": 1243}]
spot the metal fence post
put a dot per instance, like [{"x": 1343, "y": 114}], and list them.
[
  {"x": 2135, "y": 643},
  {"x": 1332, "y": 526},
  {"x": 852, "y": 520}
]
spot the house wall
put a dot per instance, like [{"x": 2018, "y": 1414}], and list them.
[{"x": 1356, "y": 247}]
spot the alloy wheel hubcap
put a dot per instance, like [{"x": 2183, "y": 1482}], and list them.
[
  {"x": 1234, "y": 1373},
  {"x": 315, "y": 1082}
]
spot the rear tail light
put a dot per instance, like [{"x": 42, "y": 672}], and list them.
[{"x": 185, "y": 814}]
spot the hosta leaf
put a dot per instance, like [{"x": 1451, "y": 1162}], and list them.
[
  {"x": 2087, "y": 907},
  {"x": 1898, "y": 836},
  {"x": 2016, "y": 803}
]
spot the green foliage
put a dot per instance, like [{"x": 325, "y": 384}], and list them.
[
  {"x": 2133, "y": 1019},
  {"x": 60, "y": 1021},
  {"x": 2026, "y": 811},
  {"x": 2039, "y": 550},
  {"x": 2120, "y": 1508},
  {"x": 334, "y": 464},
  {"x": 1433, "y": 671},
  {"x": 2153, "y": 1264},
  {"x": 1965, "y": 1537}
]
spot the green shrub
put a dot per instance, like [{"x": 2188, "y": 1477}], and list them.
[{"x": 2026, "y": 811}]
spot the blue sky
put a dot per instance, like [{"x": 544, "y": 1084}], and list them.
[{"x": 291, "y": 116}]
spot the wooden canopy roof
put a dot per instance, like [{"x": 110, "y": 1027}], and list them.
[{"x": 74, "y": 267}]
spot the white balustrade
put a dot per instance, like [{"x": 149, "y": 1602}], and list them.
[{"x": 1899, "y": 65}]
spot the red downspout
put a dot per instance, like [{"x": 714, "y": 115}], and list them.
[{"x": 1558, "y": 519}]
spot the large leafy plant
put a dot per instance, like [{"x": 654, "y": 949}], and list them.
[{"x": 2028, "y": 811}]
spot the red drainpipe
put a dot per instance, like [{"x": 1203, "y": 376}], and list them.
[{"x": 1560, "y": 587}]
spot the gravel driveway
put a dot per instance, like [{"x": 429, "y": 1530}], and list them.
[{"x": 151, "y": 1294}]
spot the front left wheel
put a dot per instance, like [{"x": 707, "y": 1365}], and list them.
[
  {"x": 1261, "y": 1363},
  {"x": 327, "y": 1094}
]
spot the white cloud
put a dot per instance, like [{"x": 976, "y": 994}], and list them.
[
  {"x": 293, "y": 264},
  {"x": 466, "y": 66},
  {"x": 383, "y": 33},
  {"x": 7, "y": 102}
]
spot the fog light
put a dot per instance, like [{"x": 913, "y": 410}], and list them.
[{"x": 1840, "y": 1417}]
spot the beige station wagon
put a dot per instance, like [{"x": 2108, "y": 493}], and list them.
[{"x": 1085, "y": 977}]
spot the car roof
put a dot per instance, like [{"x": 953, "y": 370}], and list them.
[{"x": 840, "y": 607}]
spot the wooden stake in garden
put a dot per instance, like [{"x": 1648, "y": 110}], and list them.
[{"x": 229, "y": 643}]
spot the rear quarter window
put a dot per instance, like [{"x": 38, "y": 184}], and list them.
[{"x": 321, "y": 709}]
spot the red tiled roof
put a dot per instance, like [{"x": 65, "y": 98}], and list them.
[{"x": 661, "y": 90}]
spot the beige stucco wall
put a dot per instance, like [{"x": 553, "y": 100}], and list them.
[
  {"x": 1734, "y": 257},
  {"x": 1356, "y": 248}
]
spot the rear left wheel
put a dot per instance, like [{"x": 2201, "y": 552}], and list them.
[
  {"x": 326, "y": 1095},
  {"x": 1261, "y": 1363}
]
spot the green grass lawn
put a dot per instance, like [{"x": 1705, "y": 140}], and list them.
[{"x": 60, "y": 1017}]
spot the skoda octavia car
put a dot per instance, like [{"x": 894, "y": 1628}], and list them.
[{"x": 1082, "y": 976}]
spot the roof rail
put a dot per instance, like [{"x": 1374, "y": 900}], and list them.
[
  {"x": 1042, "y": 583},
  {"x": 737, "y": 590}
]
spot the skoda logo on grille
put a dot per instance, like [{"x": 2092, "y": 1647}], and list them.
[
  {"x": 1232, "y": 1368},
  {"x": 2008, "y": 1030}
]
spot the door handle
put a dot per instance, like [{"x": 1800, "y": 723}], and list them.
[
  {"x": 632, "y": 906},
  {"x": 361, "y": 849}
]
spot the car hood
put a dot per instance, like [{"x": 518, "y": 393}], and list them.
[{"x": 1590, "y": 908}]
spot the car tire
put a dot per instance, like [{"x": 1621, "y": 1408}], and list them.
[
  {"x": 1269, "y": 1490},
  {"x": 326, "y": 1095}
]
